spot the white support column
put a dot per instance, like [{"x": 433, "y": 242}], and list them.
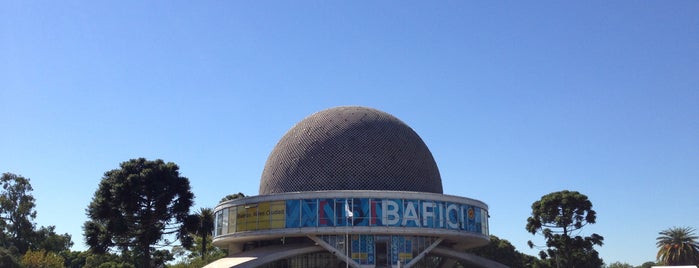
[
  {"x": 339, "y": 253},
  {"x": 423, "y": 253}
]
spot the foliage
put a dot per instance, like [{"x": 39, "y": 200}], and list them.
[
  {"x": 87, "y": 259},
  {"x": 202, "y": 225},
  {"x": 17, "y": 229},
  {"x": 41, "y": 259},
  {"x": 113, "y": 264},
  {"x": 7, "y": 259},
  {"x": 46, "y": 239},
  {"x": 137, "y": 205},
  {"x": 232, "y": 197},
  {"x": 502, "y": 251},
  {"x": 73, "y": 259},
  {"x": 647, "y": 264},
  {"x": 678, "y": 246},
  {"x": 16, "y": 212},
  {"x": 193, "y": 258},
  {"x": 619, "y": 265},
  {"x": 557, "y": 216},
  {"x": 196, "y": 263},
  {"x": 161, "y": 257}
]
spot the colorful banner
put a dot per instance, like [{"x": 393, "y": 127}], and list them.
[{"x": 334, "y": 212}]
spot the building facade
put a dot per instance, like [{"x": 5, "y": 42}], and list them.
[{"x": 351, "y": 186}]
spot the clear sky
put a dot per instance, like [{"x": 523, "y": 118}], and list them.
[{"x": 515, "y": 100}]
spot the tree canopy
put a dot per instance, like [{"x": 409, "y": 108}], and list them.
[
  {"x": 619, "y": 265},
  {"x": 232, "y": 197},
  {"x": 192, "y": 258},
  {"x": 135, "y": 206},
  {"x": 42, "y": 259},
  {"x": 647, "y": 264},
  {"x": 18, "y": 231},
  {"x": 202, "y": 225},
  {"x": 678, "y": 246},
  {"x": 16, "y": 212},
  {"x": 8, "y": 259},
  {"x": 504, "y": 252},
  {"x": 557, "y": 216}
]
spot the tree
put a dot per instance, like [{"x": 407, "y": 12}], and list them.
[
  {"x": 88, "y": 259},
  {"x": 7, "y": 259},
  {"x": 73, "y": 259},
  {"x": 41, "y": 259},
  {"x": 647, "y": 264},
  {"x": 137, "y": 205},
  {"x": 232, "y": 197},
  {"x": 557, "y": 216},
  {"x": 202, "y": 251},
  {"x": 191, "y": 258},
  {"x": 504, "y": 252},
  {"x": 161, "y": 257},
  {"x": 16, "y": 212},
  {"x": 48, "y": 240},
  {"x": 202, "y": 225},
  {"x": 619, "y": 265},
  {"x": 678, "y": 246},
  {"x": 17, "y": 228}
]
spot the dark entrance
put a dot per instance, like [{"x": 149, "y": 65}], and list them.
[{"x": 381, "y": 254}]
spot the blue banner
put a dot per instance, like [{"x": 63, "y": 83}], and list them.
[{"x": 332, "y": 212}]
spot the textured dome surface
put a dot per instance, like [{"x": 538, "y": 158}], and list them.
[{"x": 350, "y": 148}]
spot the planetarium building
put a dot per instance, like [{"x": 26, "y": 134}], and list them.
[{"x": 351, "y": 187}]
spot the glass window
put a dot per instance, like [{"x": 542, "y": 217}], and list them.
[
  {"x": 218, "y": 223},
  {"x": 224, "y": 219},
  {"x": 232, "y": 220},
  {"x": 276, "y": 211},
  {"x": 326, "y": 212},
  {"x": 293, "y": 213},
  {"x": 360, "y": 211},
  {"x": 309, "y": 213}
]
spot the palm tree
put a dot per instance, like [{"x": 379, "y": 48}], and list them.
[
  {"x": 678, "y": 246},
  {"x": 205, "y": 228}
]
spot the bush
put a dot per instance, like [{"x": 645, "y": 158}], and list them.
[{"x": 41, "y": 259}]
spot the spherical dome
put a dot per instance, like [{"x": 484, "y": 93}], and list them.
[{"x": 350, "y": 148}]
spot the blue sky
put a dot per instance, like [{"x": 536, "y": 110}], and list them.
[{"x": 515, "y": 100}]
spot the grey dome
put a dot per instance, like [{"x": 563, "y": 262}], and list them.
[{"x": 350, "y": 148}]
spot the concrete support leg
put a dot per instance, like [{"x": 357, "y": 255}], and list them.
[{"x": 337, "y": 252}]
